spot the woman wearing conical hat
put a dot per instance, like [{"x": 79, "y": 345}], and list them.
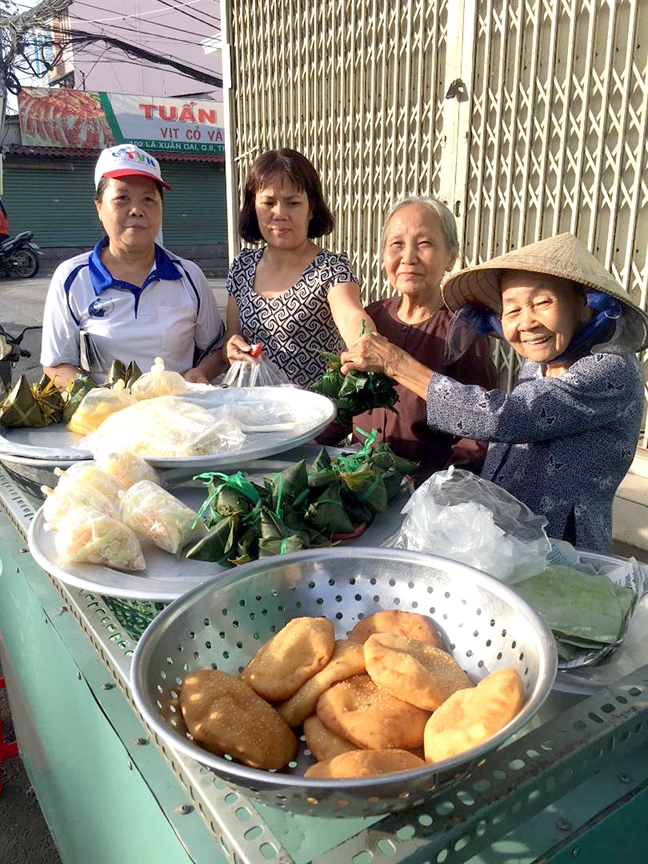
[{"x": 564, "y": 438}]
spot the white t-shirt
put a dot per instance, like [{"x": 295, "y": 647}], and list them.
[{"x": 173, "y": 313}]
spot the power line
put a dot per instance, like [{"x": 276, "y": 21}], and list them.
[
  {"x": 171, "y": 27},
  {"x": 189, "y": 15},
  {"x": 80, "y": 37},
  {"x": 134, "y": 15},
  {"x": 172, "y": 30},
  {"x": 148, "y": 66}
]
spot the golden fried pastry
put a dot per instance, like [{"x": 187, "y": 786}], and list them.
[
  {"x": 469, "y": 717},
  {"x": 414, "y": 671},
  {"x": 297, "y": 652},
  {"x": 225, "y": 715},
  {"x": 323, "y": 743},
  {"x": 347, "y": 660},
  {"x": 369, "y": 717},
  {"x": 409, "y": 624},
  {"x": 364, "y": 763}
]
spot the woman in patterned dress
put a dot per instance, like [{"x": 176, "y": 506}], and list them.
[
  {"x": 564, "y": 438},
  {"x": 292, "y": 296}
]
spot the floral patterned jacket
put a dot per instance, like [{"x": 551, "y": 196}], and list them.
[{"x": 561, "y": 445}]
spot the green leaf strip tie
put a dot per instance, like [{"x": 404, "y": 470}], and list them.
[
  {"x": 369, "y": 491},
  {"x": 235, "y": 481}
]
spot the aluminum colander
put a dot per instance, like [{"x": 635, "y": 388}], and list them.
[{"x": 223, "y": 622}]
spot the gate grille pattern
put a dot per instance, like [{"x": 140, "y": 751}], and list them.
[
  {"x": 355, "y": 86},
  {"x": 552, "y": 138},
  {"x": 557, "y": 138}
]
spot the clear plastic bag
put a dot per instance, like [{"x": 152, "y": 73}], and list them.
[
  {"x": 83, "y": 484},
  {"x": 127, "y": 468},
  {"x": 88, "y": 536},
  {"x": 263, "y": 416},
  {"x": 463, "y": 517},
  {"x": 166, "y": 426},
  {"x": 158, "y": 382},
  {"x": 97, "y": 405},
  {"x": 160, "y": 517},
  {"x": 259, "y": 371}
]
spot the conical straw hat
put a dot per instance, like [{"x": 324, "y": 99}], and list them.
[{"x": 563, "y": 256}]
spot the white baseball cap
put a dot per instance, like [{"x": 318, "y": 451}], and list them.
[{"x": 127, "y": 160}]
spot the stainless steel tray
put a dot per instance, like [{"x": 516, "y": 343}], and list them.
[
  {"x": 312, "y": 413},
  {"x": 485, "y": 625},
  {"x": 166, "y": 576}
]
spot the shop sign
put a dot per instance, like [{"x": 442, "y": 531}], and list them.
[{"x": 77, "y": 118}]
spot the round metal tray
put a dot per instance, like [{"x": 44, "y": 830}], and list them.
[
  {"x": 55, "y": 444},
  {"x": 168, "y": 576},
  {"x": 223, "y": 622}
]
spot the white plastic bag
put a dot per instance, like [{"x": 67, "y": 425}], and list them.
[
  {"x": 460, "y": 516},
  {"x": 158, "y": 382},
  {"x": 259, "y": 371},
  {"x": 166, "y": 426}
]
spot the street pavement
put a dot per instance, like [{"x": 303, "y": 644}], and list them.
[{"x": 21, "y": 305}]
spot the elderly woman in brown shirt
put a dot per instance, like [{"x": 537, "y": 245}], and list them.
[{"x": 419, "y": 247}]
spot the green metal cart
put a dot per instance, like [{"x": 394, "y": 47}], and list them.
[{"x": 575, "y": 786}]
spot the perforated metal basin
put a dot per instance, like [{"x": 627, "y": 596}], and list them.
[{"x": 223, "y": 622}]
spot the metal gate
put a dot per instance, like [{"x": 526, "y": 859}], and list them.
[{"x": 527, "y": 117}]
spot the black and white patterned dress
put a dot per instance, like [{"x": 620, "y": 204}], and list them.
[{"x": 296, "y": 325}]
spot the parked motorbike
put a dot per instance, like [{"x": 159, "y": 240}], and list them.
[
  {"x": 19, "y": 256},
  {"x": 10, "y": 354}
]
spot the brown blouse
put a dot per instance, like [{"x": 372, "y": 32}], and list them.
[{"x": 406, "y": 429}]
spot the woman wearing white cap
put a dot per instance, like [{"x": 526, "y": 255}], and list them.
[
  {"x": 564, "y": 438},
  {"x": 129, "y": 299}
]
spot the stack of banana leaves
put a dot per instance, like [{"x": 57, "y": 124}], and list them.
[
  {"x": 298, "y": 508},
  {"x": 355, "y": 392},
  {"x": 43, "y": 403}
]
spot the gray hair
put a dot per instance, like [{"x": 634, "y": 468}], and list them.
[{"x": 445, "y": 217}]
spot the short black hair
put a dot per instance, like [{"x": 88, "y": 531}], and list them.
[
  {"x": 102, "y": 185},
  {"x": 293, "y": 166}
]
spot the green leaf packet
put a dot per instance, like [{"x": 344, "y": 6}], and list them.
[
  {"x": 355, "y": 392},
  {"x": 276, "y": 538},
  {"x": 117, "y": 372},
  {"x": 74, "y": 394},
  {"x": 288, "y": 488},
  {"x": 28, "y": 405},
  {"x": 227, "y": 495},
  {"x": 328, "y": 514},
  {"x": 584, "y": 608},
  {"x": 220, "y": 543},
  {"x": 332, "y": 380}
]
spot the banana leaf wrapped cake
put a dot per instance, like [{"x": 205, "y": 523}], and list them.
[
  {"x": 298, "y": 508},
  {"x": 355, "y": 392},
  {"x": 37, "y": 404}
]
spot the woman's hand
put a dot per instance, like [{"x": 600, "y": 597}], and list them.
[
  {"x": 238, "y": 349},
  {"x": 374, "y": 353},
  {"x": 370, "y": 353},
  {"x": 196, "y": 376}
]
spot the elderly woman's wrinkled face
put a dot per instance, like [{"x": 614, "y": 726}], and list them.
[
  {"x": 130, "y": 211},
  {"x": 415, "y": 256},
  {"x": 540, "y": 314}
]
